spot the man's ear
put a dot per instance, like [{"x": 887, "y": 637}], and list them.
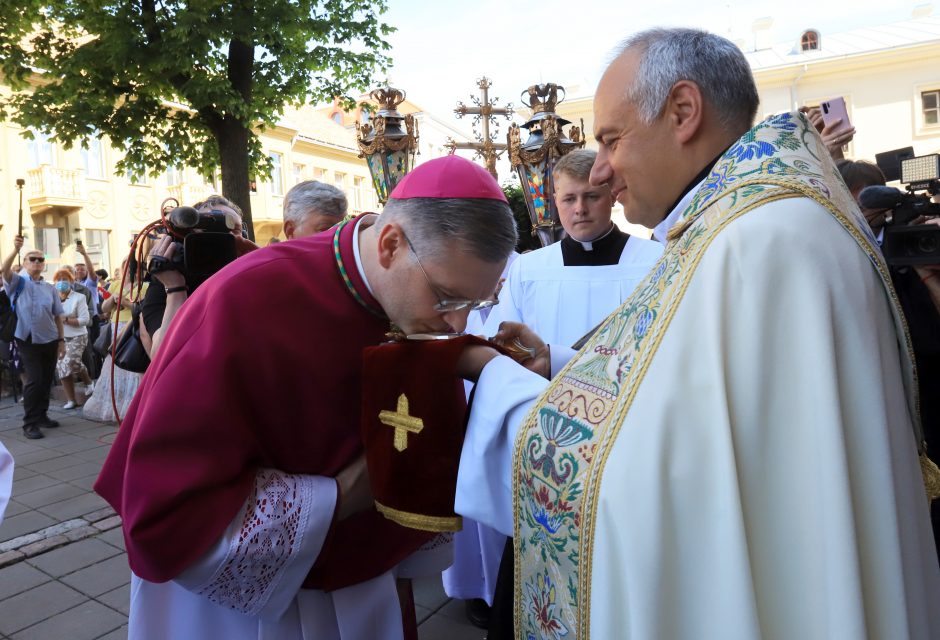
[
  {"x": 289, "y": 229},
  {"x": 685, "y": 110},
  {"x": 391, "y": 243}
]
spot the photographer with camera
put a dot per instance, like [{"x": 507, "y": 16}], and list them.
[
  {"x": 178, "y": 274},
  {"x": 918, "y": 290}
]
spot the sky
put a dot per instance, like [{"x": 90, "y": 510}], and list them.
[{"x": 443, "y": 46}]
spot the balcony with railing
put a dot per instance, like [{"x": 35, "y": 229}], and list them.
[
  {"x": 189, "y": 193},
  {"x": 52, "y": 187}
]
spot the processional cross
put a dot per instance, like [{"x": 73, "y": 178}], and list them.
[{"x": 485, "y": 110}]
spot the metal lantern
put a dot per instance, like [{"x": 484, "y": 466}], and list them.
[
  {"x": 388, "y": 149},
  {"x": 535, "y": 160}
]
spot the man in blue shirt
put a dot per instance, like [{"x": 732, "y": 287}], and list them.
[{"x": 39, "y": 334}]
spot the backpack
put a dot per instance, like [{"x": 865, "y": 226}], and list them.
[{"x": 8, "y": 312}]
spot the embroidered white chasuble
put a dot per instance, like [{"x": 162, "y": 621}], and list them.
[{"x": 731, "y": 455}]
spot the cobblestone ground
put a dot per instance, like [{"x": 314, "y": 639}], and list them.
[{"x": 63, "y": 569}]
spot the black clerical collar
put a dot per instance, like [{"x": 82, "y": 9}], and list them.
[
  {"x": 605, "y": 250},
  {"x": 701, "y": 175}
]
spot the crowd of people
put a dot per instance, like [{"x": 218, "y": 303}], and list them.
[{"x": 716, "y": 432}]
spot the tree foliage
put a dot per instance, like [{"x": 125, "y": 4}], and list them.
[
  {"x": 520, "y": 212},
  {"x": 183, "y": 82}
]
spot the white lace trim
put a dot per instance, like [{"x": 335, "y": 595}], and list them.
[{"x": 270, "y": 537}]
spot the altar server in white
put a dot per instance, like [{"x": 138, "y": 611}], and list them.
[{"x": 734, "y": 453}]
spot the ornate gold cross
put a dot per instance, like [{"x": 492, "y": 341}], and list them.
[
  {"x": 401, "y": 422},
  {"x": 486, "y": 146}
]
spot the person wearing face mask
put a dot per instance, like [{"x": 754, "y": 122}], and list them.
[
  {"x": 75, "y": 320},
  {"x": 39, "y": 334}
]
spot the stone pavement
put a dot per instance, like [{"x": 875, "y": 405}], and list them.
[{"x": 63, "y": 569}]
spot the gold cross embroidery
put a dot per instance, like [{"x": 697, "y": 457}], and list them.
[{"x": 402, "y": 423}]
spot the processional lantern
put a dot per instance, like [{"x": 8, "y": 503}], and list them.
[
  {"x": 389, "y": 149},
  {"x": 535, "y": 160}
]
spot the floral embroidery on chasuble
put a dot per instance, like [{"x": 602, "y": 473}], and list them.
[{"x": 562, "y": 447}]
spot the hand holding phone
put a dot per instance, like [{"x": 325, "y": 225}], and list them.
[{"x": 835, "y": 115}]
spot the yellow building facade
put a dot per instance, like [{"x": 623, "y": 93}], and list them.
[{"x": 74, "y": 194}]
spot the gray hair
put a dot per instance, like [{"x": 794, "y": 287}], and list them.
[
  {"x": 483, "y": 227},
  {"x": 715, "y": 64},
  {"x": 311, "y": 196}
]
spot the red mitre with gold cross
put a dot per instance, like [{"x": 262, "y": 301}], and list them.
[{"x": 413, "y": 422}]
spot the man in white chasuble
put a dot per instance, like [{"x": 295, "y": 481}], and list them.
[{"x": 734, "y": 453}]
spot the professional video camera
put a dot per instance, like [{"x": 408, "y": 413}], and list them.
[
  {"x": 904, "y": 243},
  {"x": 204, "y": 243}
]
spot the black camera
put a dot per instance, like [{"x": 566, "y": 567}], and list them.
[
  {"x": 207, "y": 244},
  {"x": 906, "y": 244}
]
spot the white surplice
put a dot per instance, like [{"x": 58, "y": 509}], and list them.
[
  {"x": 765, "y": 482},
  {"x": 6, "y": 479},
  {"x": 560, "y": 303},
  {"x": 246, "y": 587},
  {"x": 477, "y": 548}
]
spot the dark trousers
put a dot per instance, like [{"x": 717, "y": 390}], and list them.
[
  {"x": 39, "y": 366},
  {"x": 89, "y": 358},
  {"x": 502, "y": 611}
]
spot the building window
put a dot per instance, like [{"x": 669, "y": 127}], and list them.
[
  {"x": 358, "y": 195},
  {"x": 338, "y": 117},
  {"x": 930, "y": 105},
  {"x": 96, "y": 244},
  {"x": 299, "y": 171},
  {"x": 173, "y": 175},
  {"x": 277, "y": 176},
  {"x": 319, "y": 174},
  {"x": 339, "y": 181},
  {"x": 809, "y": 41},
  {"x": 39, "y": 150},
  {"x": 93, "y": 159},
  {"x": 51, "y": 241}
]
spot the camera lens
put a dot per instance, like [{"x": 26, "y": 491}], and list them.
[
  {"x": 184, "y": 217},
  {"x": 927, "y": 244}
]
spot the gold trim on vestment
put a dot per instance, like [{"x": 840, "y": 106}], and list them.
[
  {"x": 670, "y": 297},
  {"x": 604, "y": 447},
  {"x": 438, "y": 524}
]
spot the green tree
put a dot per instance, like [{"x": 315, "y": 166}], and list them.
[
  {"x": 523, "y": 222},
  {"x": 183, "y": 82}
]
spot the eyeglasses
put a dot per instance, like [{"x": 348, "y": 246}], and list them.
[
  {"x": 36, "y": 259},
  {"x": 443, "y": 304}
]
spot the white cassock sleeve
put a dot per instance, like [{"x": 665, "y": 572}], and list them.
[
  {"x": 503, "y": 396},
  {"x": 6, "y": 479},
  {"x": 259, "y": 564}
]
